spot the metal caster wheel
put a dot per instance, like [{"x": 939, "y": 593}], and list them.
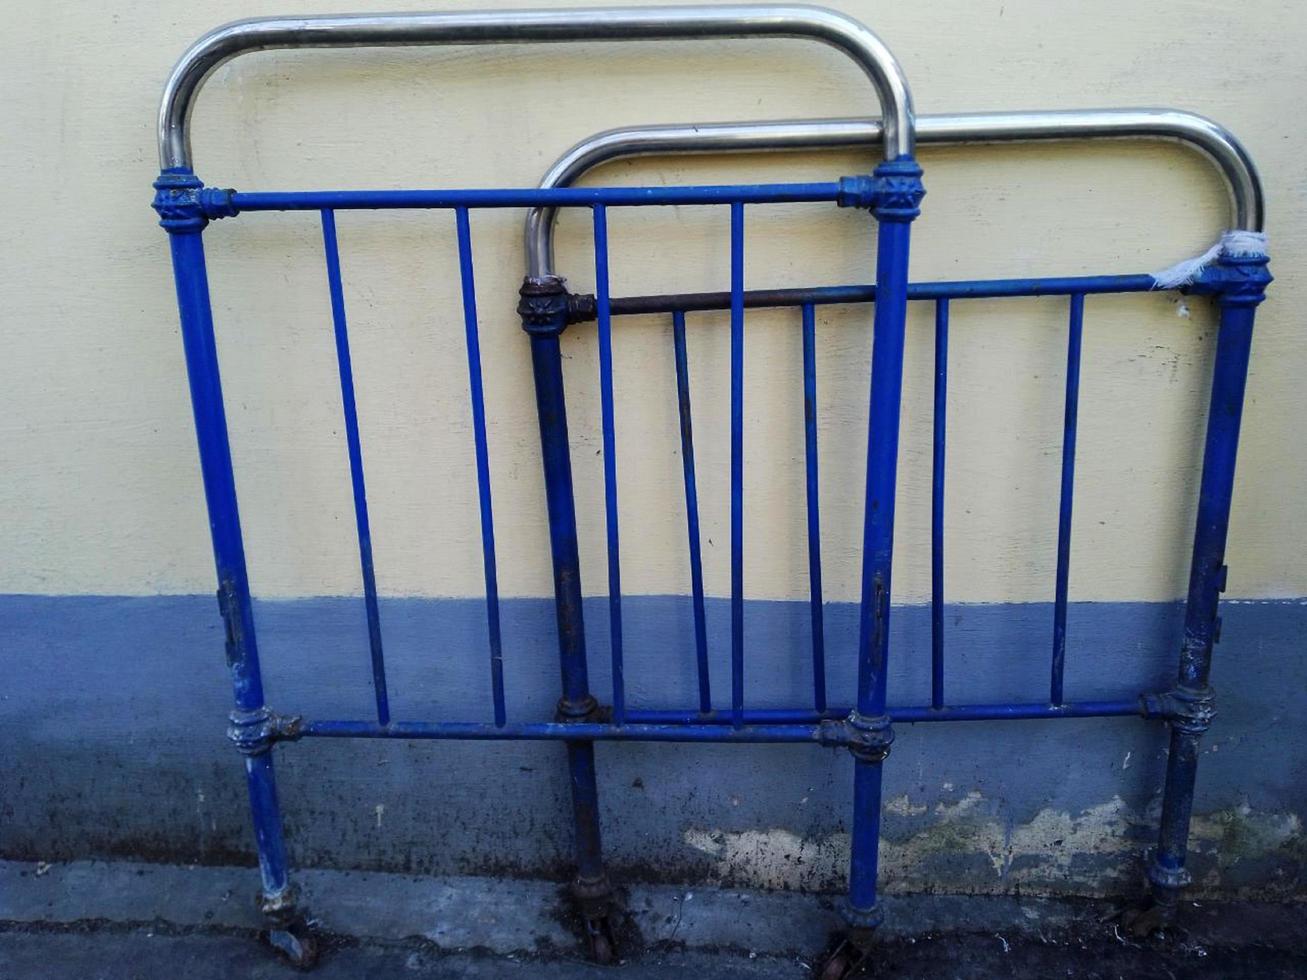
[
  {"x": 845, "y": 961},
  {"x": 599, "y": 940},
  {"x": 295, "y": 942}
]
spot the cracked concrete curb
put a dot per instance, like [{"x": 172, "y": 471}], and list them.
[{"x": 505, "y": 916}]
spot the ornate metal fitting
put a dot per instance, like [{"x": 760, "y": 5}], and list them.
[
  {"x": 868, "y": 919},
  {"x": 254, "y": 732},
  {"x": 1190, "y": 711},
  {"x": 282, "y": 906},
  {"x": 869, "y": 739},
  {"x": 857, "y": 192},
  {"x": 586, "y": 710},
  {"x": 581, "y": 307},
  {"x": 1236, "y": 280},
  {"x": 545, "y": 306},
  {"x": 184, "y": 204},
  {"x": 1169, "y": 879},
  {"x": 593, "y": 896},
  {"x": 898, "y": 190},
  {"x": 892, "y": 193}
]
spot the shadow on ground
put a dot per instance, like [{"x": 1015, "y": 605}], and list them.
[
  {"x": 100, "y": 952},
  {"x": 95, "y": 920}
]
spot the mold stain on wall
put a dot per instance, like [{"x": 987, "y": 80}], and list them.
[{"x": 965, "y": 847}]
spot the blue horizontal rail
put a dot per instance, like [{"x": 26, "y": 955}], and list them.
[
  {"x": 910, "y": 714},
  {"x": 526, "y": 198},
  {"x": 676, "y": 726},
  {"x": 866, "y": 293},
  {"x": 570, "y": 731}
]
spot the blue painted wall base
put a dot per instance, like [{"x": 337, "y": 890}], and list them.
[{"x": 132, "y": 759}]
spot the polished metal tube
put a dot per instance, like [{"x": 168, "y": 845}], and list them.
[
  {"x": 531, "y": 26},
  {"x": 1195, "y": 132}
]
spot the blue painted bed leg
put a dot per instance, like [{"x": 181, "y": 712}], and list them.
[
  {"x": 185, "y": 207},
  {"x": 1239, "y": 285},
  {"x": 895, "y": 193},
  {"x": 544, "y": 309}
]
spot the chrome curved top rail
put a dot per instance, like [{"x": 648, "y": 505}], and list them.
[
  {"x": 1210, "y": 139},
  {"x": 522, "y": 26}
]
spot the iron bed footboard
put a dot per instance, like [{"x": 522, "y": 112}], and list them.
[
  {"x": 1236, "y": 280},
  {"x": 892, "y": 194}
]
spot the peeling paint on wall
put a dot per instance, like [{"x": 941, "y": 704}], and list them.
[{"x": 1087, "y": 853}]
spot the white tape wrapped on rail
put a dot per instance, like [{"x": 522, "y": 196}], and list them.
[{"x": 1233, "y": 243}]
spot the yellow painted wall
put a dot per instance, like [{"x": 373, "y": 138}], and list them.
[{"x": 100, "y": 490}]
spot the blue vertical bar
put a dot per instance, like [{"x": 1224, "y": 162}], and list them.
[
  {"x": 1240, "y": 284},
  {"x": 940, "y": 422},
  {"x": 269, "y": 839},
  {"x": 814, "y": 523},
  {"x": 1074, "y": 338},
  {"x": 185, "y": 228},
  {"x": 560, "y": 501},
  {"x": 878, "y": 547},
  {"x": 737, "y": 464},
  {"x": 472, "y": 334},
  {"x": 604, "y": 319},
  {"x": 585, "y": 815},
  {"x": 544, "y": 317},
  {"x": 355, "y": 464},
  {"x": 691, "y": 508},
  {"x": 882, "y": 464},
  {"x": 864, "y": 861},
  {"x": 898, "y": 194}
]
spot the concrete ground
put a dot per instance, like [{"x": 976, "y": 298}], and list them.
[{"x": 122, "y": 921}]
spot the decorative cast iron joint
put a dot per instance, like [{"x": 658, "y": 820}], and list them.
[
  {"x": 1236, "y": 280},
  {"x": 545, "y": 305},
  {"x": 832, "y": 734},
  {"x": 582, "y": 307},
  {"x": 184, "y": 204},
  {"x": 1188, "y": 710},
  {"x": 587, "y": 710},
  {"x": 862, "y": 919},
  {"x": 280, "y": 907},
  {"x": 1170, "y": 879},
  {"x": 892, "y": 193},
  {"x": 857, "y": 192},
  {"x": 594, "y": 896},
  {"x": 254, "y": 732},
  {"x": 868, "y": 739}
]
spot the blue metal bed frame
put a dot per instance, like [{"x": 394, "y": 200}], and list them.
[
  {"x": 1187, "y": 708},
  {"x": 892, "y": 194}
]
